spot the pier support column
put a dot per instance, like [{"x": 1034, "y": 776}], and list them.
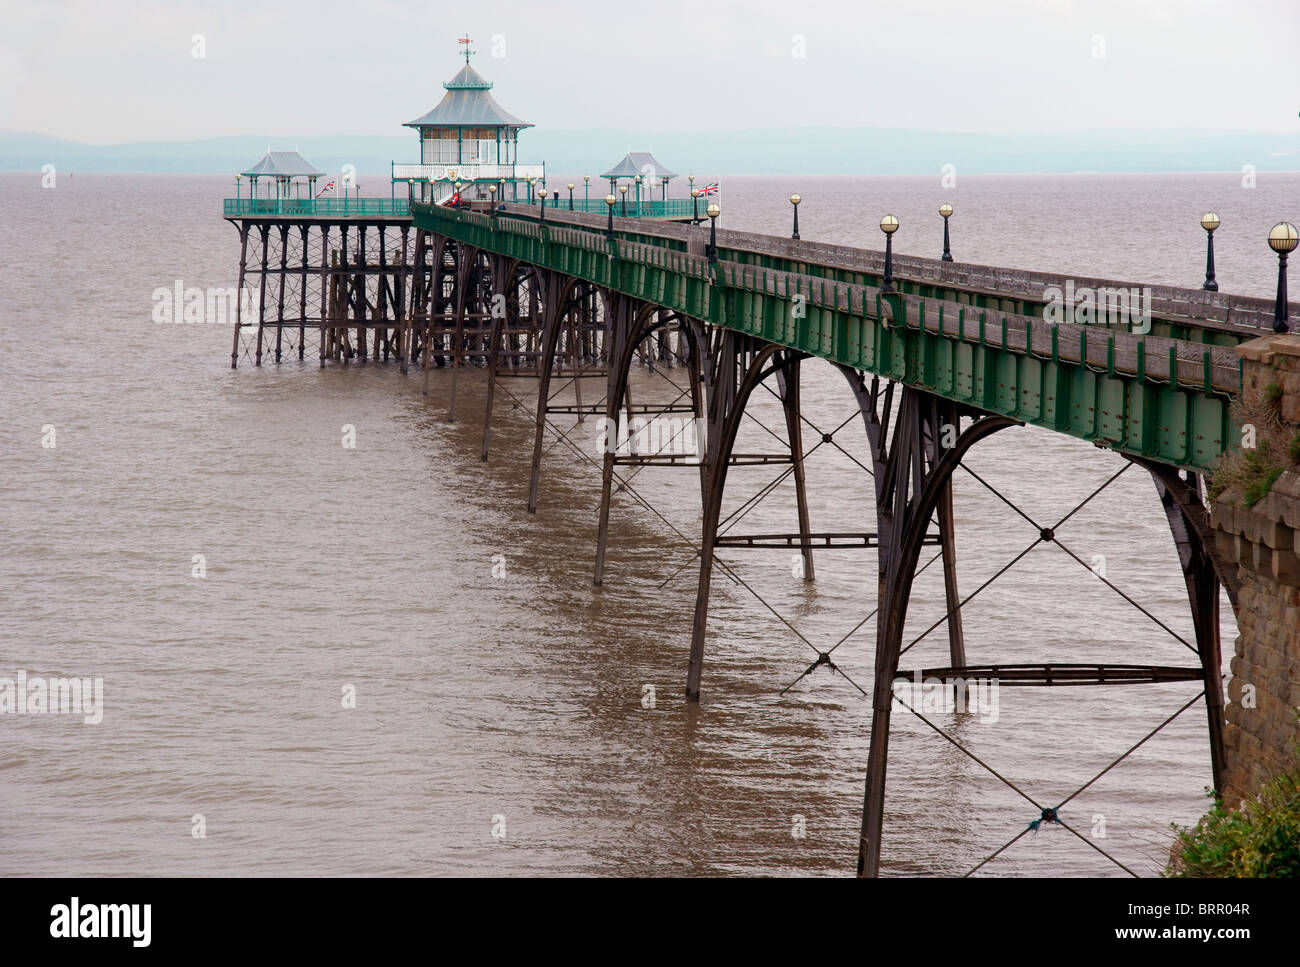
[
  {"x": 788, "y": 382},
  {"x": 1204, "y": 571},
  {"x": 239, "y": 298},
  {"x": 630, "y": 326},
  {"x": 403, "y": 311},
  {"x": 279, "y": 314},
  {"x": 740, "y": 363},
  {"x": 619, "y": 348},
  {"x": 261, "y": 299},
  {"x": 912, "y": 476},
  {"x": 502, "y": 270},
  {"x": 547, "y": 345},
  {"x": 326, "y": 289},
  {"x": 466, "y": 258},
  {"x": 305, "y": 230}
]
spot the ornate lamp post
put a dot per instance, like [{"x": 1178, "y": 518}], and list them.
[
  {"x": 502, "y": 183},
  {"x": 531, "y": 182},
  {"x": 570, "y": 196},
  {"x": 946, "y": 211},
  {"x": 622, "y": 190},
  {"x": 695, "y": 205},
  {"x": 609, "y": 205},
  {"x": 541, "y": 194},
  {"x": 237, "y": 186},
  {"x": 492, "y": 200},
  {"x": 586, "y": 192},
  {"x": 713, "y": 211},
  {"x": 889, "y": 225},
  {"x": 794, "y": 200},
  {"x": 1282, "y": 239},
  {"x": 1209, "y": 222},
  {"x": 638, "y": 196}
]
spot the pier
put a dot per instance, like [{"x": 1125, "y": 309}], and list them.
[{"x": 490, "y": 273}]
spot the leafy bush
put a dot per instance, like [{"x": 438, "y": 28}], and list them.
[{"x": 1261, "y": 838}]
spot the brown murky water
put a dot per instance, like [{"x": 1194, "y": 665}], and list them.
[{"x": 482, "y": 698}]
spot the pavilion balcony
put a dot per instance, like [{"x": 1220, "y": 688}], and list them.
[{"x": 466, "y": 172}]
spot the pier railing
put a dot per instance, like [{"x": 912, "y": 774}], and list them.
[
  {"x": 679, "y": 208},
  {"x": 319, "y": 207}
]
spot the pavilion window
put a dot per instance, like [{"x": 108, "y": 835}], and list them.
[{"x": 439, "y": 146}]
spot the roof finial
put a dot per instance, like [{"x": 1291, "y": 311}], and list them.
[{"x": 466, "y": 41}]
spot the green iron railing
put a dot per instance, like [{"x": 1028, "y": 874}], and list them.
[
  {"x": 399, "y": 207},
  {"x": 333, "y": 207}
]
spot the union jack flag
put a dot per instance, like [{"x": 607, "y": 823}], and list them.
[
  {"x": 328, "y": 187},
  {"x": 709, "y": 189}
]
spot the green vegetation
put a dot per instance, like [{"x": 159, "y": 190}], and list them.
[
  {"x": 1259, "y": 839},
  {"x": 1254, "y": 470}
]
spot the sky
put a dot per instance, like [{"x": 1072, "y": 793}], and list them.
[{"x": 106, "y": 71}]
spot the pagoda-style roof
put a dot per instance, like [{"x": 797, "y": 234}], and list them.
[
  {"x": 635, "y": 163},
  {"x": 467, "y": 102},
  {"x": 282, "y": 164}
]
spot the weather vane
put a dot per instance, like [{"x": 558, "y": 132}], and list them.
[{"x": 466, "y": 41}]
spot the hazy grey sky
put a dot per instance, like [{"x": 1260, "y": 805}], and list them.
[{"x": 105, "y": 71}]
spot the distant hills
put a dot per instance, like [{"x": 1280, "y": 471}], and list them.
[{"x": 817, "y": 150}]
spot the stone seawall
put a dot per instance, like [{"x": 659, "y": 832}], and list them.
[{"x": 1262, "y": 730}]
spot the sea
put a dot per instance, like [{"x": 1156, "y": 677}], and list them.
[{"x": 319, "y": 660}]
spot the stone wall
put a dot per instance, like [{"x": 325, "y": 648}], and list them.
[{"x": 1262, "y": 730}]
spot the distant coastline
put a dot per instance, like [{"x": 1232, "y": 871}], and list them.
[{"x": 809, "y": 151}]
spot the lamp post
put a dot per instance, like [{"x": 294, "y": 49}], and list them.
[
  {"x": 455, "y": 187},
  {"x": 889, "y": 225},
  {"x": 713, "y": 211},
  {"x": 531, "y": 182},
  {"x": 609, "y": 205},
  {"x": 502, "y": 183},
  {"x": 492, "y": 200},
  {"x": 541, "y": 194},
  {"x": 622, "y": 190},
  {"x": 1282, "y": 239},
  {"x": 946, "y": 211},
  {"x": 1209, "y": 222},
  {"x": 638, "y": 196},
  {"x": 586, "y": 192},
  {"x": 570, "y": 196},
  {"x": 695, "y": 205},
  {"x": 237, "y": 195},
  {"x": 794, "y": 201}
]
